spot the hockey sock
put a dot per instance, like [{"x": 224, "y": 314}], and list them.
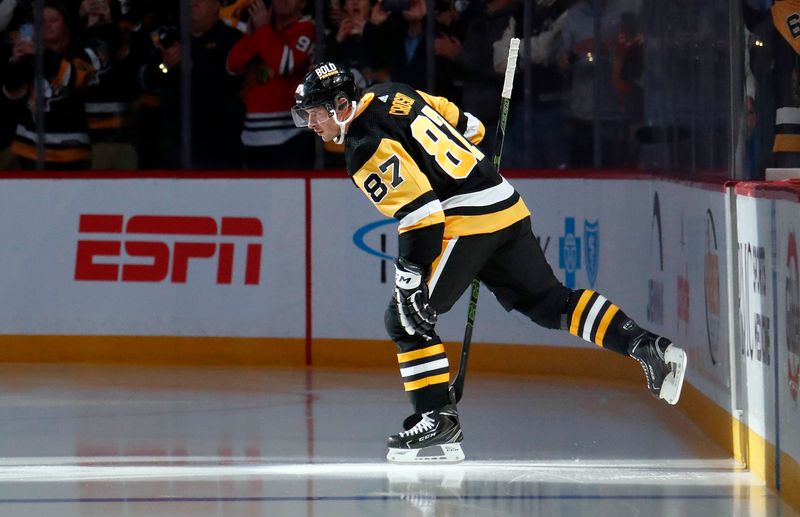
[
  {"x": 426, "y": 377},
  {"x": 593, "y": 317}
]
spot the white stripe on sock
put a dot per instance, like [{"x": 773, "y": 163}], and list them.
[
  {"x": 592, "y": 316},
  {"x": 424, "y": 367}
]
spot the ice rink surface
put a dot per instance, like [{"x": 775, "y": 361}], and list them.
[{"x": 172, "y": 441}]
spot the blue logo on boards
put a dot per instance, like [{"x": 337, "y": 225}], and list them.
[
  {"x": 591, "y": 242},
  {"x": 360, "y": 240},
  {"x": 569, "y": 251},
  {"x": 361, "y": 233}
]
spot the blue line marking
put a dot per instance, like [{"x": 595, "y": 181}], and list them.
[{"x": 399, "y": 497}]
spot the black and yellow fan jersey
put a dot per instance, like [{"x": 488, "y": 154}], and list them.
[
  {"x": 786, "y": 18},
  {"x": 415, "y": 157}
]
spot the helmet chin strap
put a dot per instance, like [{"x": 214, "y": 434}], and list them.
[{"x": 343, "y": 123}]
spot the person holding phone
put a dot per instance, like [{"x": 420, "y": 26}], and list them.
[{"x": 68, "y": 70}]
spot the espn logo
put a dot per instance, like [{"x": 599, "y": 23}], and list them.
[{"x": 164, "y": 258}]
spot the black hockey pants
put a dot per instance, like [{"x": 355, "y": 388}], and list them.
[{"x": 511, "y": 263}]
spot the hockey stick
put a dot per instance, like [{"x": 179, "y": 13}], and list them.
[{"x": 457, "y": 388}]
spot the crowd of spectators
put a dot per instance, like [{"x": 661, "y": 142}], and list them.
[{"x": 114, "y": 93}]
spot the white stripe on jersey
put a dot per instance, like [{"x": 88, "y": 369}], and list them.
[
  {"x": 420, "y": 213},
  {"x": 484, "y": 197},
  {"x": 283, "y": 68},
  {"x": 54, "y": 138},
  {"x": 68, "y": 75},
  {"x": 107, "y": 107},
  {"x": 472, "y": 125},
  {"x": 440, "y": 266},
  {"x": 93, "y": 58},
  {"x": 787, "y": 115}
]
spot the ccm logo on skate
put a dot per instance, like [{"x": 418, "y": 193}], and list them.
[{"x": 158, "y": 247}]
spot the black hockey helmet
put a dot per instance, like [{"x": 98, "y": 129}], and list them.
[{"x": 325, "y": 85}]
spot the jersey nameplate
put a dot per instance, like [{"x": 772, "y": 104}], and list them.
[{"x": 401, "y": 104}]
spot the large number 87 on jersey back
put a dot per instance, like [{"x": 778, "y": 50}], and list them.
[{"x": 440, "y": 140}]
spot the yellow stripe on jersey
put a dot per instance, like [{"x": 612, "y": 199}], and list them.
[
  {"x": 391, "y": 180},
  {"x": 451, "y": 112},
  {"x": 112, "y": 122},
  {"x": 419, "y": 354},
  {"x": 447, "y": 109},
  {"x": 784, "y": 15},
  {"x": 786, "y": 143},
  {"x": 603, "y": 327},
  {"x": 430, "y": 220},
  {"x": 426, "y": 381},
  {"x": 578, "y": 312},
  {"x": 62, "y": 76},
  {"x": 84, "y": 71},
  {"x": 363, "y": 103},
  {"x": 28, "y": 151},
  {"x": 460, "y": 225}
]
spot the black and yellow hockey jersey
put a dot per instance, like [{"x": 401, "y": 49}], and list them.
[
  {"x": 786, "y": 17},
  {"x": 66, "y": 137},
  {"x": 415, "y": 157}
]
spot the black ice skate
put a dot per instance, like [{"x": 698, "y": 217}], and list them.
[
  {"x": 664, "y": 365},
  {"x": 436, "y": 438}
]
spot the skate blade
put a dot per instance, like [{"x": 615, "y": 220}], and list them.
[
  {"x": 444, "y": 453},
  {"x": 671, "y": 388}
]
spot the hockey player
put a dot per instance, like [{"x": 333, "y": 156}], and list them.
[{"x": 415, "y": 157}]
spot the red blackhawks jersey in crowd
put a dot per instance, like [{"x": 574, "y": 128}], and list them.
[{"x": 274, "y": 62}]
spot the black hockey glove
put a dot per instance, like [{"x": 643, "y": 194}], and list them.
[{"x": 411, "y": 296}]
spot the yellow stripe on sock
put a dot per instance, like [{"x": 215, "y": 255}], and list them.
[
  {"x": 419, "y": 354},
  {"x": 601, "y": 329},
  {"x": 426, "y": 381},
  {"x": 578, "y": 312}
]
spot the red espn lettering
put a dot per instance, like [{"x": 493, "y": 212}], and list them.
[{"x": 159, "y": 251}]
